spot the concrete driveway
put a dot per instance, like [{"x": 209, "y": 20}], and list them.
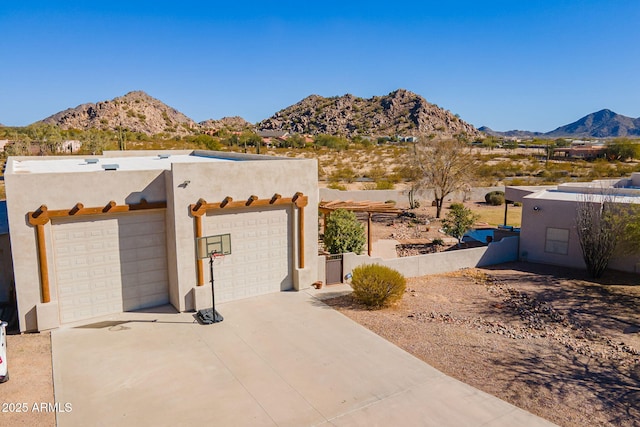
[{"x": 283, "y": 359}]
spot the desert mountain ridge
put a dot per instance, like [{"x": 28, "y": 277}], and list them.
[
  {"x": 601, "y": 124},
  {"x": 399, "y": 113},
  {"x": 136, "y": 111}
]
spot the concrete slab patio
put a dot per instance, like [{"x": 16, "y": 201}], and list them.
[{"x": 283, "y": 359}]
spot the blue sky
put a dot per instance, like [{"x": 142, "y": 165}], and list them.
[{"x": 532, "y": 65}]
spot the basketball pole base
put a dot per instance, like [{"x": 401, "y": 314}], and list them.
[{"x": 209, "y": 316}]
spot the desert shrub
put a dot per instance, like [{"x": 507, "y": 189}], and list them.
[
  {"x": 334, "y": 185},
  {"x": 437, "y": 241},
  {"x": 345, "y": 173},
  {"x": 368, "y": 186},
  {"x": 494, "y": 198},
  {"x": 344, "y": 233},
  {"x": 384, "y": 184},
  {"x": 376, "y": 285},
  {"x": 516, "y": 204}
]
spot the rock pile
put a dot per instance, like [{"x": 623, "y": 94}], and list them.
[{"x": 538, "y": 320}]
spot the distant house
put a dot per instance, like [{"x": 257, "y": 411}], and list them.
[
  {"x": 407, "y": 138},
  {"x": 270, "y": 137},
  {"x": 586, "y": 150},
  {"x": 70, "y": 146},
  {"x": 548, "y": 233},
  {"x": 3, "y": 143}
]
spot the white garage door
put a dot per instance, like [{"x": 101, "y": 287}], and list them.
[
  {"x": 261, "y": 253},
  {"x": 106, "y": 265}
]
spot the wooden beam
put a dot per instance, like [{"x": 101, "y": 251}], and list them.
[
  {"x": 228, "y": 203},
  {"x": 369, "y": 242},
  {"x": 199, "y": 262},
  {"x": 42, "y": 264},
  {"x": 42, "y": 215},
  {"x": 301, "y": 237}
]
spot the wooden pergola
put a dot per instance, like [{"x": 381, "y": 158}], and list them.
[{"x": 326, "y": 207}]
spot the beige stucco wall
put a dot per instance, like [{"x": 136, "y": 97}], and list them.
[
  {"x": 505, "y": 250},
  {"x": 28, "y": 191},
  {"x": 549, "y": 213},
  {"x": 255, "y": 175},
  {"x": 263, "y": 177},
  {"x": 538, "y": 214}
]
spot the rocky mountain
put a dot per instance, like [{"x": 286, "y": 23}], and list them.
[
  {"x": 398, "y": 113},
  {"x": 135, "y": 111},
  {"x": 511, "y": 133},
  {"x": 234, "y": 123},
  {"x": 601, "y": 124}
]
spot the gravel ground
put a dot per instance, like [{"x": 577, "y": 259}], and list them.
[
  {"x": 545, "y": 339},
  {"x": 27, "y": 398}
]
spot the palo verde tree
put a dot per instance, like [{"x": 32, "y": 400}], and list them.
[
  {"x": 622, "y": 149},
  {"x": 606, "y": 227},
  {"x": 458, "y": 221},
  {"x": 344, "y": 233},
  {"x": 46, "y": 136},
  {"x": 445, "y": 165}
]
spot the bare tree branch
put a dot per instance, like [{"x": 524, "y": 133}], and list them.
[{"x": 446, "y": 166}]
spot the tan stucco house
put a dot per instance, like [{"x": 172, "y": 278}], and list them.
[
  {"x": 548, "y": 233},
  {"x": 92, "y": 236}
]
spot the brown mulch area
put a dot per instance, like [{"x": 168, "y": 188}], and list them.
[{"x": 546, "y": 339}]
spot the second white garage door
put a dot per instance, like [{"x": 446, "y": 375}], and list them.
[
  {"x": 110, "y": 264},
  {"x": 261, "y": 258}
]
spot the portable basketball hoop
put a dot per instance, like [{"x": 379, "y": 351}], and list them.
[{"x": 208, "y": 316}]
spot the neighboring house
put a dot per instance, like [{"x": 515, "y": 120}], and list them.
[
  {"x": 131, "y": 230},
  {"x": 270, "y": 137},
  {"x": 401, "y": 138},
  {"x": 3, "y": 143},
  {"x": 70, "y": 146},
  {"x": 586, "y": 150},
  {"x": 548, "y": 232}
]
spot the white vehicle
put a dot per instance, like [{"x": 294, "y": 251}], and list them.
[{"x": 4, "y": 370}]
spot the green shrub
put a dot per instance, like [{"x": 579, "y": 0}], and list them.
[
  {"x": 376, "y": 285},
  {"x": 458, "y": 221},
  {"x": 334, "y": 185},
  {"x": 437, "y": 241},
  {"x": 494, "y": 198},
  {"x": 384, "y": 184},
  {"x": 516, "y": 204},
  {"x": 344, "y": 233}
]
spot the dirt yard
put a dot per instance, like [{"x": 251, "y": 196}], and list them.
[
  {"x": 27, "y": 398},
  {"x": 546, "y": 339}
]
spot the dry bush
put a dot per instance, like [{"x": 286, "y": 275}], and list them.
[{"x": 377, "y": 286}]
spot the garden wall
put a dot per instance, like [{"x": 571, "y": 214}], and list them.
[
  {"x": 505, "y": 250},
  {"x": 401, "y": 196}
]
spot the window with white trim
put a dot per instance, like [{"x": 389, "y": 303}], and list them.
[{"x": 557, "y": 241}]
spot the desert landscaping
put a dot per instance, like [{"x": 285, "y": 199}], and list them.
[{"x": 546, "y": 339}]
